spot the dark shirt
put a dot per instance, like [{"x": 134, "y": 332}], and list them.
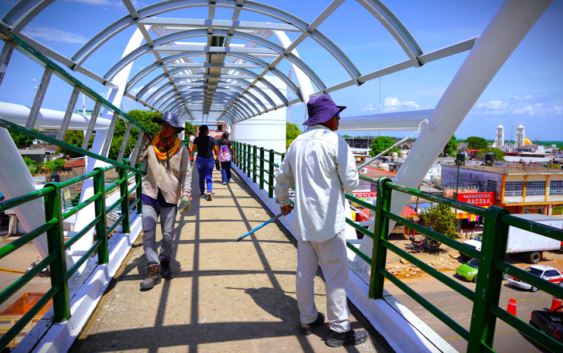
[
  {"x": 205, "y": 146},
  {"x": 159, "y": 202}
]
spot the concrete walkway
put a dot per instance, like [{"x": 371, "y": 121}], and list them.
[{"x": 225, "y": 297}]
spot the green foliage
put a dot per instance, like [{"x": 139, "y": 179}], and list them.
[
  {"x": 75, "y": 138},
  {"x": 189, "y": 128},
  {"x": 346, "y": 136},
  {"x": 441, "y": 219},
  {"x": 499, "y": 155},
  {"x": 54, "y": 165},
  {"x": 380, "y": 144},
  {"x": 28, "y": 161},
  {"x": 291, "y": 133},
  {"x": 475, "y": 142},
  {"x": 451, "y": 146},
  {"x": 21, "y": 140},
  {"x": 143, "y": 117}
]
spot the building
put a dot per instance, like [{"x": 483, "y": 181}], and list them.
[
  {"x": 499, "y": 138},
  {"x": 519, "y": 189}
]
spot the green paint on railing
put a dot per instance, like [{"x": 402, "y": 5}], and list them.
[
  {"x": 80, "y": 234},
  {"x": 20, "y": 200},
  {"x": 84, "y": 257}
]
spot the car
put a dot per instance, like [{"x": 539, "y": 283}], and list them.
[
  {"x": 550, "y": 322},
  {"x": 469, "y": 270},
  {"x": 542, "y": 271}
]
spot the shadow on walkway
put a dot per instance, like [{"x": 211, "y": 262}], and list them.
[{"x": 225, "y": 297}]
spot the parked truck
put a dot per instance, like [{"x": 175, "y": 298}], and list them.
[{"x": 529, "y": 245}]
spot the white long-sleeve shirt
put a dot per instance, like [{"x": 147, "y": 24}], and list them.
[{"x": 320, "y": 164}]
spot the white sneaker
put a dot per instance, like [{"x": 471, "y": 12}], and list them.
[{"x": 209, "y": 197}]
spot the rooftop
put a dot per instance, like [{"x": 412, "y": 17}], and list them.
[{"x": 511, "y": 170}]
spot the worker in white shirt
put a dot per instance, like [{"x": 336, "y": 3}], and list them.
[{"x": 321, "y": 167}]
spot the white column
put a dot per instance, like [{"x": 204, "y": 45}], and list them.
[
  {"x": 16, "y": 180},
  {"x": 115, "y": 96},
  {"x": 497, "y": 42}
]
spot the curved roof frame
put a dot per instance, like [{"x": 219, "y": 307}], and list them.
[
  {"x": 25, "y": 10},
  {"x": 257, "y": 89},
  {"x": 162, "y": 41}
]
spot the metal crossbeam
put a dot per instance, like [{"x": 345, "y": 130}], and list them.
[
  {"x": 68, "y": 113},
  {"x": 125, "y": 141},
  {"x": 219, "y": 50},
  {"x": 134, "y": 155},
  {"x": 206, "y": 23},
  {"x": 206, "y": 65},
  {"x": 39, "y": 98},
  {"x": 109, "y": 137},
  {"x": 91, "y": 124},
  {"x": 5, "y": 56}
]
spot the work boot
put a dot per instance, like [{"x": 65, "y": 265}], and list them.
[
  {"x": 350, "y": 338},
  {"x": 165, "y": 270},
  {"x": 307, "y": 329},
  {"x": 153, "y": 278}
]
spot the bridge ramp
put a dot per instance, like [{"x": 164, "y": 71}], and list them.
[{"x": 225, "y": 297}]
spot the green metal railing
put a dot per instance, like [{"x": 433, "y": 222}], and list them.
[
  {"x": 492, "y": 265},
  {"x": 51, "y": 193},
  {"x": 251, "y": 161},
  {"x": 54, "y": 216}
]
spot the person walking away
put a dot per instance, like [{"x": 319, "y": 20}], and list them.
[
  {"x": 226, "y": 154},
  {"x": 168, "y": 180},
  {"x": 321, "y": 167},
  {"x": 206, "y": 147}
]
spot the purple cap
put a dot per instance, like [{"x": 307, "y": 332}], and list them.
[{"x": 321, "y": 109}]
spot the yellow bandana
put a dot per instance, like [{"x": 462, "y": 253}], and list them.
[{"x": 160, "y": 148}]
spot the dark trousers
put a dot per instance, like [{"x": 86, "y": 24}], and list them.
[{"x": 226, "y": 170}]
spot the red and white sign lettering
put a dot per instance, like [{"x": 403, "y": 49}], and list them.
[
  {"x": 365, "y": 195},
  {"x": 477, "y": 198}
]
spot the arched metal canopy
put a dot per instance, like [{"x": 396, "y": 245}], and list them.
[{"x": 226, "y": 79}]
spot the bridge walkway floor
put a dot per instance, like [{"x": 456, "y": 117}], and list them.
[{"x": 225, "y": 296}]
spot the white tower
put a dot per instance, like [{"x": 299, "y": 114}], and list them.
[
  {"x": 499, "y": 140},
  {"x": 519, "y": 142}
]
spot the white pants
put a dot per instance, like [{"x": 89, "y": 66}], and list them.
[{"x": 334, "y": 262}]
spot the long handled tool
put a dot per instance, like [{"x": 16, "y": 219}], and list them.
[{"x": 260, "y": 226}]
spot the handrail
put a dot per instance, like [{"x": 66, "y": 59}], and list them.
[
  {"x": 492, "y": 264},
  {"x": 56, "y": 245}
]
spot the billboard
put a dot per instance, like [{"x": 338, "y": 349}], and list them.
[{"x": 477, "y": 198}]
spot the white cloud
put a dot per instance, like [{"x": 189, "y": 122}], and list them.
[
  {"x": 393, "y": 104},
  {"x": 526, "y": 97},
  {"x": 53, "y": 34},
  {"x": 558, "y": 110},
  {"x": 494, "y": 104},
  {"x": 368, "y": 108},
  {"x": 527, "y": 109}
]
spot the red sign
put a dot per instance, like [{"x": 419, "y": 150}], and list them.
[
  {"x": 365, "y": 195},
  {"x": 477, "y": 198}
]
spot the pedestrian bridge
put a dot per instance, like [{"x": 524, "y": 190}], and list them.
[
  {"x": 226, "y": 296},
  {"x": 230, "y": 296}
]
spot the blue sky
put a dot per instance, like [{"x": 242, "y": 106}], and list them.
[{"x": 528, "y": 90}]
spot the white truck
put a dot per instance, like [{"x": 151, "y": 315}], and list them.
[{"x": 529, "y": 245}]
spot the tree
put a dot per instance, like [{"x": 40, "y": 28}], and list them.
[
  {"x": 189, "y": 128},
  {"x": 380, "y": 144},
  {"x": 291, "y": 133},
  {"x": 75, "y": 138},
  {"x": 21, "y": 140},
  {"x": 56, "y": 164},
  {"x": 441, "y": 219},
  {"x": 144, "y": 118},
  {"x": 451, "y": 146},
  {"x": 499, "y": 155},
  {"x": 28, "y": 161},
  {"x": 476, "y": 143}
]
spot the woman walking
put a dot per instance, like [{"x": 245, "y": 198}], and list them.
[
  {"x": 205, "y": 162},
  {"x": 168, "y": 180},
  {"x": 226, "y": 154}
]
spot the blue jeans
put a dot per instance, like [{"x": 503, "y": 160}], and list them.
[
  {"x": 205, "y": 169},
  {"x": 226, "y": 171}
]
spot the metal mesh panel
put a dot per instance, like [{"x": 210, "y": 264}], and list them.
[
  {"x": 513, "y": 188},
  {"x": 535, "y": 188},
  {"x": 556, "y": 187},
  {"x": 491, "y": 186}
]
